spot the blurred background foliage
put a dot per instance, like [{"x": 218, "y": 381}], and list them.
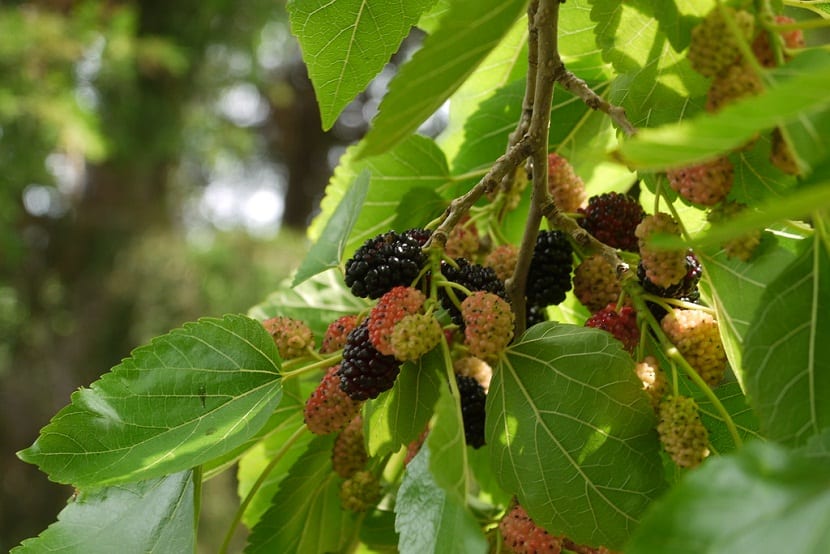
[{"x": 159, "y": 162}]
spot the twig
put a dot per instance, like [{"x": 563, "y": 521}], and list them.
[
  {"x": 461, "y": 205},
  {"x": 584, "y": 241},
  {"x": 543, "y": 28},
  {"x": 580, "y": 88},
  {"x": 522, "y": 126}
]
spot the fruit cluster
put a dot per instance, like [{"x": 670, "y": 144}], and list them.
[{"x": 456, "y": 299}]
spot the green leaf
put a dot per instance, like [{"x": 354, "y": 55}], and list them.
[
  {"x": 346, "y": 43},
  {"x": 318, "y": 301},
  {"x": 798, "y": 90},
  {"x": 787, "y": 355},
  {"x": 764, "y": 499},
  {"x": 400, "y": 415},
  {"x": 428, "y": 519},
  {"x": 467, "y": 33},
  {"x": 735, "y": 288},
  {"x": 655, "y": 83},
  {"x": 377, "y": 531},
  {"x": 305, "y": 515},
  {"x": 187, "y": 397},
  {"x": 415, "y": 163},
  {"x": 733, "y": 400},
  {"x": 294, "y": 394},
  {"x": 818, "y": 6},
  {"x": 506, "y": 63},
  {"x": 572, "y": 433},
  {"x": 255, "y": 461},
  {"x": 147, "y": 516},
  {"x": 431, "y": 19},
  {"x": 328, "y": 249},
  {"x": 418, "y": 206},
  {"x": 487, "y": 129},
  {"x": 448, "y": 450}
]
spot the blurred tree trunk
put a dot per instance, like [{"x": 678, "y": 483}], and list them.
[
  {"x": 295, "y": 136},
  {"x": 65, "y": 278}
]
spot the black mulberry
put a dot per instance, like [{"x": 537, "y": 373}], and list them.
[
  {"x": 364, "y": 372},
  {"x": 473, "y": 399},
  {"x": 386, "y": 261},
  {"x": 612, "y": 218},
  {"x": 473, "y": 277},
  {"x": 549, "y": 277}
]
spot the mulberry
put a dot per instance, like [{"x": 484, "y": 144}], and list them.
[
  {"x": 522, "y": 535},
  {"x": 621, "y": 324},
  {"x": 737, "y": 81},
  {"x": 390, "y": 309},
  {"x": 349, "y": 453},
  {"x": 685, "y": 289},
  {"x": 503, "y": 260},
  {"x": 706, "y": 183},
  {"x": 763, "y": 50},
  {"x": 473, "y": 277},
  {"x": 612, "y": 219},
  {"x": 662, "y": 267},
  {"x": 473, "y": 400},
  {"x": 781, "y": 156},
  {"x": 565, "y": 186},
  {"x": 534, "y": 315},
  {"x": 681, "y": 432},
  {"x": 470, "y": 366},
  {"x": 653, "y": 378},
  {"x": 329, "y": 409},
  {"x": 695, "y": 334},
  {"x": 489, "y": 325},
  {"x": 360, "y": 492},
  {"x": 414, "y": 336},
  {"x": 337, "y": 332},
  {"x": 741, "y": 247},
  {"x": 549, "y": 276},
  {"x": 292, "y": 336},
  {"x": 462, "y": 241},
  {"x": 595, "y": 283},
  {"x": 385, "y": 261},
  {"x": 713, "y": 46},
  {"x": 365, "y": 372}
]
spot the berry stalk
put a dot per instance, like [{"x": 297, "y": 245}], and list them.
[
  {"x": 674, "y": 355},
  {"x": 324, "y": 362}
]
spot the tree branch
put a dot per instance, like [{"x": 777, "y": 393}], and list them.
[
  {"x": 544, "y": 25},
  {"x": 455, "y": 211},
  {"x": 580, "y": 88}
]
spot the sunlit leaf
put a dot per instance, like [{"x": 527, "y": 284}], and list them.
[
  {"x": 305, "y": 514},
  {"x": 346, "y": 43},
  {"x": 655, "y": 83},
  {"x": 763, "y": 499},
  {"x": 787, "y": 355},
  {"x": 187, "y": 397},
  {"x": 400, "y": 415},
  {"x": 417, "y": 162},
  {"x": 505, "y": 64},
  {"x": 429, "y": 520},
  {"x": 465, "y": 35},
  {"x": 735, "y": 288},
  {"x": 797, "y": 90},
  {"x": 328, "y": 250},
  {"x": 258, "y": 458},
  {"x": 448, "y": 451},
  {"x": 317, "y": 301},
  {"x": 151, "y": 516},
  {"x": 572, "y": 434}
]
